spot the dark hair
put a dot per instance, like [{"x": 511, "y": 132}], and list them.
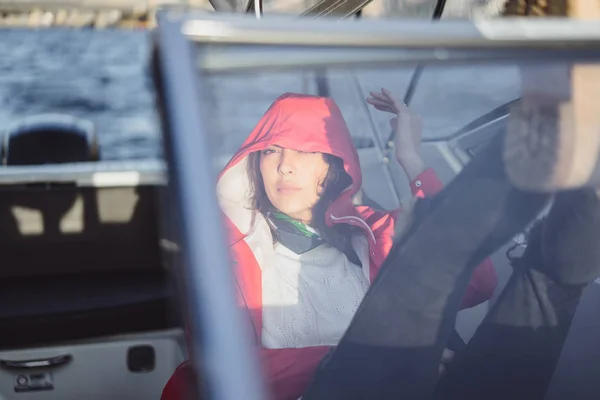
[{"x": 335, "y": 182}]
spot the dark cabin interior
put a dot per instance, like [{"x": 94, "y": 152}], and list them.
[{"x": 79, "y": 263}]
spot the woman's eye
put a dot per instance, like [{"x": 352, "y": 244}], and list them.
[{"x": 268, "y": 151}]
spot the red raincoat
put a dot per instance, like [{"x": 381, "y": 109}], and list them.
[{"x": 310, "y": 124}]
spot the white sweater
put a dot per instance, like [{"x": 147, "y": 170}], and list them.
[{"x": 310, "y": 299}]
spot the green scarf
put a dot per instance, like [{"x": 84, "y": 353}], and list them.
[{"x": 302, "y": 228}]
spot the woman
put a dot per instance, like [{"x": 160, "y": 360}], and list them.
[{"x": 303, "y": 254}]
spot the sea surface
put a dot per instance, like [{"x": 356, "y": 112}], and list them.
[{"x": 102, "y": 76}]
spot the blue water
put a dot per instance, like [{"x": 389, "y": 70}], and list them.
[{"x": 99, "y": 75}]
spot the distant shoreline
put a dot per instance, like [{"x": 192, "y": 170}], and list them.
[{"x": 140, "y": 14}]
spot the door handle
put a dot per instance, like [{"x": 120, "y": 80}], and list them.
[{"x": 38, "y": 363}]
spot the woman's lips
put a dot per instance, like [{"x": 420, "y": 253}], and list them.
[{"x": 287, "y": 189}]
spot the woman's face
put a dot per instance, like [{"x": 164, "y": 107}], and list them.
[{"x": 293, "y": 180}]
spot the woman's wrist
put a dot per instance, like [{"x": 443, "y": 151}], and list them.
[{"x": 413, "y": 165}]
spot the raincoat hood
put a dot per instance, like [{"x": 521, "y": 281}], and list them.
[{"x": 297, "y": 122}]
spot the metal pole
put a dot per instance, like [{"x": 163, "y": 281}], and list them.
[
  {"x": 414, "y": 80},
  {"x": 222, "y": 346}
]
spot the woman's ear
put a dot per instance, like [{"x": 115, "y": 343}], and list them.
[{"x": 321, "y": 187}]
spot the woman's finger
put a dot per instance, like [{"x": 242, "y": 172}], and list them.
[
  {"x": 386, "y": 109},
  {"x": 387, "y": 93},
  {"x": 399, "y": 105},
  {"x": 402, "y": 109},
  {"x": 379, "y": 95},
  {"x": 379, "y": 103},
  {"x": 382, "y": 96},
  {"x": 374, "y": 100},
  {"x": 383, "y": 103},
  {"x": 381, "y": 106}
]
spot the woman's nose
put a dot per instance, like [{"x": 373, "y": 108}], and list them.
[{"x": 287, "y": 162}]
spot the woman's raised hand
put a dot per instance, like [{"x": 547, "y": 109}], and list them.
[{"x": 408, "y": 129}]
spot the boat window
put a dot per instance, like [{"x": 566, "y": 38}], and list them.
[
  {"x": 235, "y": 102},
  {"x": 481, "y": 89},
  {"x": 447, "y": 97}
]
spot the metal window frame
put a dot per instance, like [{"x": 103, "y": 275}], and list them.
[
  {"x": 221, "y": 348},
  {"x": 191, "y": 45},
  {"x": 505, "y": 33},
  {"x": 230, "y": 43}
]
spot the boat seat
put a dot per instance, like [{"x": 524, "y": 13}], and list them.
[
  {"x": 62, "y": 228},
  {"x": 58, "y": 226},
  {"x": 49, "y": 139},
  {"x": 73, "y": 254}
]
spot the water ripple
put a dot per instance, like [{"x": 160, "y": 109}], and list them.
[{"x": 101, "y": 75}]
